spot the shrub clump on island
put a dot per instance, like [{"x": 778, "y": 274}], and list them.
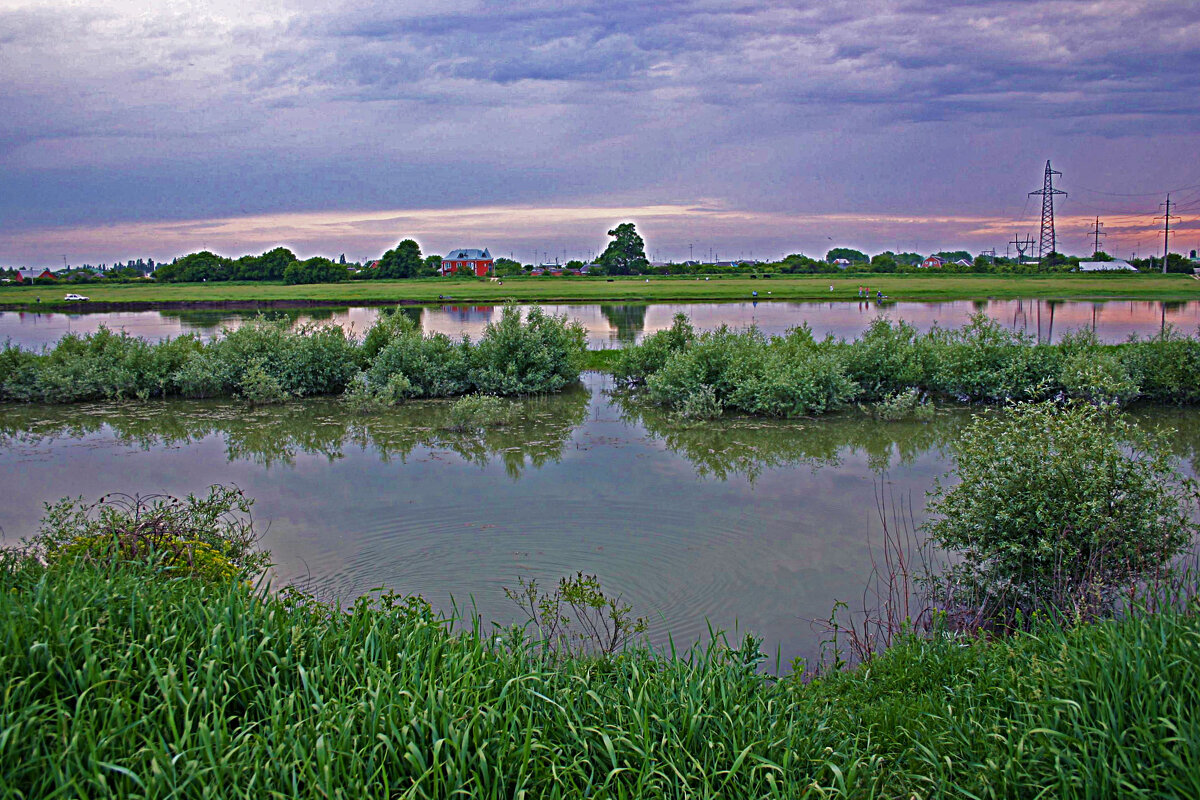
[
  {"x": 796, "y": 374},
  {"x": 267, "y": 362}
]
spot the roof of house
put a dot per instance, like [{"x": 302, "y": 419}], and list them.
[
  {"x": 32, "y": 273},
  {"x": 1105, "y": 266},
  {"x": 468, "y": 253}
]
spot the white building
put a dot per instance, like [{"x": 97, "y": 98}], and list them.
[{"x": 1106, "y": 266}]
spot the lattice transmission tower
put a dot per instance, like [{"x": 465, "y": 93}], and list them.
[{"x": 1047, "y": 243}]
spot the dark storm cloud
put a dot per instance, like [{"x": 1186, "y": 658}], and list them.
[{"x": 764, "y": 107}]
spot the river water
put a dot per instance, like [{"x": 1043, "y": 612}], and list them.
[
  {"x": 757, "y": 524},
  {"x": 614, "y": 324}
]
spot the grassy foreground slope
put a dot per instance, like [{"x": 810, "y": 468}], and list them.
[
  {"x": 626, "y": 289},
  {"x": 125, "y": 684}
]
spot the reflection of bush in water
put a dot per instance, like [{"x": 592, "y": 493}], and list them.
[
  {"x": 276, "y": 435},
  {"x": 746, "y": 446}
]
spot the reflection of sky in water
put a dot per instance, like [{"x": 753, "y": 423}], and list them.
[
  {"x": 609, "y": 325},
  {"x": 763, "y": 523}
]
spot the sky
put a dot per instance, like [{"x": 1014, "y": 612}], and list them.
[{"x": 153, "y": 128}]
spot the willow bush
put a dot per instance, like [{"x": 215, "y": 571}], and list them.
[
  {"x": 1058, "y": 509},
  {"x": 794, "y": 374},
  {"x": 268, "y": 361}
]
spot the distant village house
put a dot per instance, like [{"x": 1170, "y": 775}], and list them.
[
  {"x": 478, "y": 262},
  {"x": 29, "y": 274}
]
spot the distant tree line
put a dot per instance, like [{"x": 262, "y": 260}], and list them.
[
  {"x": 279, "y": 264},
  {"x": 624, "y": 255}
]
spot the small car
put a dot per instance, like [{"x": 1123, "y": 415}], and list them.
[{"x": 75, "y": 297}]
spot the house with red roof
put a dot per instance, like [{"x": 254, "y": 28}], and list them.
[{"x": 478, "y": 262}]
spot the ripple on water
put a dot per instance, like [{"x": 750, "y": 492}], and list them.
[{"x": 658, "y": 557}]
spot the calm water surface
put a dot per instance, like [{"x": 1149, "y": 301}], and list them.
[
  {"x": 612, "y": 325},
  {"x": 755, "y": 523}
]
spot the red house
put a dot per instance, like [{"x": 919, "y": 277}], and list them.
[
  {"x": 933, "y": 262},
  {"x": 477, "y": 261},
  {"x": 29, "y": 274}
]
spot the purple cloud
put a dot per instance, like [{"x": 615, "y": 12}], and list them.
[{"x": 775, "y": 111}]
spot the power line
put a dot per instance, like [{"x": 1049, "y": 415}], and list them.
[{"x": 1142, "y": 194}]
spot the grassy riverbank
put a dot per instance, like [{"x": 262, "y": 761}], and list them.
[
  {"x": 928, "y": 287},
  {"x": 120, "y": 683}
]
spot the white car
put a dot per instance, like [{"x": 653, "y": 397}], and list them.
[{"x": 75, "y": 297}]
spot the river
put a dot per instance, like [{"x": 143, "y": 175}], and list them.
[
  {"x": 611, "y": 325},
  {"x": 747, "y": 523}
]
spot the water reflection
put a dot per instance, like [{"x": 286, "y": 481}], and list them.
[
  {"x": 275, "y": 435},
  {"x": 612, "y": 325},
  {"x": 627, "y": 321},
  {"x": 746, "y": 446}
]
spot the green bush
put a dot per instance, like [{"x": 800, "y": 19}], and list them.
[
  {"x": 983, "y": 361},
  {"x": 475, "y": 411},
  {"x": 100, "y": 366},
  {"x": 906, "y": 404},
  {"x": 266, "y": 361},
  {"x": 257, "y": 387},
  {"x": 1097, "y": 376},
  {"x": 172, "y": 558},
  {"x": 745, "y": 371},
  {"x": 636, "y": 364},
  {"x": 980, "y": 362},
  {"x": 887, "y": 359},
  {"x": 1167, "y": 367},
  {"x": 1059, "y": 509},
  {"x": 210, "y": 537},
  {"x": 542, "y": 354},
  {"x": 430, "y": 366}
]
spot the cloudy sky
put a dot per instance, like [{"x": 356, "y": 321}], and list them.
[{"x": 133, "y": 128}]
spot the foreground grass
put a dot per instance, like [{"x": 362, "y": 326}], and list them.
[
  {"x": 124, "y": 684},
  {"x": 926, "y": 287}
]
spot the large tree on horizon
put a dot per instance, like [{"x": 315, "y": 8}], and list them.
[
  {"x": 626, "y": 253},
  {"x": 402, "y": 261}
]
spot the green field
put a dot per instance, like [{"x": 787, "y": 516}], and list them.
[{"x": 625, "y": 289}]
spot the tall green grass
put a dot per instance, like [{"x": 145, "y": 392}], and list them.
[
  {"x": 118, "y": 684},
  {"x": 796, "y": 374},
  {"x": 267, "y": 361}
]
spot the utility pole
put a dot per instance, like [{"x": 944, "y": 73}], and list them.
[
  {"x": 1097, "y": 230},
  {"x": 1166, "y": 218},
  {"x": 1047, "y": 242},
  {"x": 1021, "y": 245}
]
